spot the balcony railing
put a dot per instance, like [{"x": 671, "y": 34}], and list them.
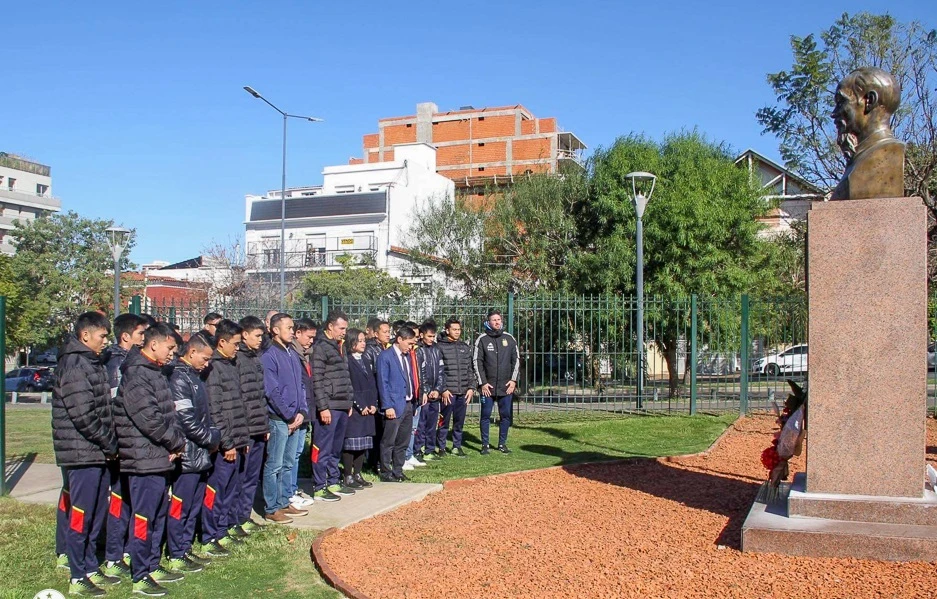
[
  {"x": 573, "y": 155},
  {"x": 266, "y": 255}
]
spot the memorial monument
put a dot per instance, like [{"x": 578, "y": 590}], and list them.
[{"x": 864, "y": 493}]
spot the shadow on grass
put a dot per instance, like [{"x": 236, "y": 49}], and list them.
[{"x": 722, "y": 495}]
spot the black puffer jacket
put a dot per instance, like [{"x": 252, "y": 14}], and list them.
[
  {"x": 115, "y": 358},
  {"x": 372, "y": 349},
  {"x": 224, "y": 397},
  {"x": 432, "y": 370},
  {"x": 497, "y": 360},
  {"x": 330, "y": 377},
  {"x": 145, "y": 417},
  {"x": 251, "y": 373},
  {"x": 192, "y": 415},
  {"x": 458, "y": 361},
  {"x": 82, "y": 426}
]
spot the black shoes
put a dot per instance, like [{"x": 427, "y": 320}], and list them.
[
  {"x": 457, "y": 452},
  {"x": 352, "y": 483},
  {"x": 503, "y": 449},
  {"x": 362, "y": 482},
  {"x": 403, "y": 478},
  {"x": 485, "y": 450},
  {"x": 388, "y": 478}
]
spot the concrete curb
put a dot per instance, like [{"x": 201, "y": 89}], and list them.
[
  {"x": 318, "y": 558},
  {"x": 703, "y": 454}
]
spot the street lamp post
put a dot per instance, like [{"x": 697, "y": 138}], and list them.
[
  {"x": 117, "y": 238},
  {"x": 282, "y": 252},
  {"x": 639, "y": 182}
]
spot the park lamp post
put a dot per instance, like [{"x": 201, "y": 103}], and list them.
[
  {"x": 118, "y": 238},
  {"x": 282, "y": 256},
  {"x": 642, "y": 186}
]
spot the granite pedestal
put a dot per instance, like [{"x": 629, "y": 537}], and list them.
[{"x": 864, "y": 493}]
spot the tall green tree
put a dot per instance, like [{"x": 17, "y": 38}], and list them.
[
  {"x": 353, "y": 282},
  {"x": 800, "y": 118},
  {"x": 62, "y": 267},
  {"x": 701, "y": 233}
]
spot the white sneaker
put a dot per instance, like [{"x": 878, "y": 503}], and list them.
[
  {"x": 407, "y": 466},
  {"x": 298, "y": 501},
  {"x": 413, "y": 462},
  {"x": 305, "y": 496}
]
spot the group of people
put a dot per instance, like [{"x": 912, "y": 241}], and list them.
[{"x": 161, "y": 438}]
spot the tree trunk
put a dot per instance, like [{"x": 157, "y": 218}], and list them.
[{"x": 670, "y": 356}]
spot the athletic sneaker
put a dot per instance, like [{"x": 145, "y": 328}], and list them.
[
  {"x": 341, "y": 489},
  {"x": 407, "y": 466},
  {"x": 197, "y": 559},
  {"x": 325, "y": 495},
  {"x": 503, "y": 449},
  {"x": 362, "y": 482},
  {"x": 237, "y": 532},
  {"x": 214, "y": 549},
  {"x": 101, "y": 579},
  {"x": 118, "y": 568},
  {"x": 439, "y": 453},
  {"x": 85, "y": 588},
  {"x": 228, "y": 541},
  {"x": 419, "y": 457},
  {"x": 425, "y": 457},
  {"x": 250, "y": 527},
  {"x": 149, "y": 587},
  {"x": 180, "y": 565},
  {"x": 61, "y": 561},
  {"x": 299, "y": 502},
  {"x": 485, "y": 450},
  {"x": 457, "y": 452},
  {"x": 162, "y": 575},
  {"x": 414, "y": 461}
]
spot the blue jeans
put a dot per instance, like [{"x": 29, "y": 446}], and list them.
[
  {"x": 300, "y": 445},
  {"x": 504, "y": 414},
  {"x": 416, "y": 423},
  {"x": 278, "y": 469}
]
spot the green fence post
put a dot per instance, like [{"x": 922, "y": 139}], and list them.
[
  {"x": 510, "y": 323},
  {"x": 172, "y": 315},
  {"x": 693, "y": 354},
  {"x": 135, "y": 305},
  {"x": 746, "y": 345},
  {"x": 325, "y": 309},
  {"x": 3, "y": 397}
]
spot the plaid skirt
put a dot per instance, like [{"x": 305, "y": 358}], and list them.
[{"x": 358, "y": 443}]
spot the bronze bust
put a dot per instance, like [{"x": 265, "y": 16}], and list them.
[{"x": 866, "y": 99}]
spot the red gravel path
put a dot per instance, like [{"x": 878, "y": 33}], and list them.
[{"x": 646, "y": 528}]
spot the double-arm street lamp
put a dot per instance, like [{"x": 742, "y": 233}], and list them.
[
  {"x": 118, "y": 238},
  {"x": 641, "y": 182},
  {"x": 282, "y": 252}
]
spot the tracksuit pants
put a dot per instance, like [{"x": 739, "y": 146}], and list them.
[
  {"x": 504, "y": 416},
  {"x": 87, "y": 494},
  {"x": 327, "y": 442},
  {"x": 456, "y": 411},
  {"x": 394, "y": 441},
  {"x": 220, "y": 497},
  {"x": 426, "y": 430},
  {"x": 61, "y": 515},
  {"x": 185, "y": 504},
  {"x": 148, "y": 496},
  {"x": 118, "y": 514},
  {"x": 249, "y": 474}
]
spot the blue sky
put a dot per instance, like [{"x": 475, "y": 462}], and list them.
[{"x": 139, "y": 107}]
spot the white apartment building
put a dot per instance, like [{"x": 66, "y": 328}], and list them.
[
  {"x": 25, "y": 193},
  {"x": 360, "y": 210}
]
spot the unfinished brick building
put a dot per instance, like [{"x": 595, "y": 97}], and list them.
[{"x": 478, "y": 147}]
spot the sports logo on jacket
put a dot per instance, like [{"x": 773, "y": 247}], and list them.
[{"x": 491, "y": 346}]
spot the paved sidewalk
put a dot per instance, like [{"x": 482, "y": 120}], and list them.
[{"x": 32, "y": 482}]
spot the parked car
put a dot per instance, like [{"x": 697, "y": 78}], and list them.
[
  {"x": 50, "y": 356},
  {"x": 792, "y": 359},
  {"x": 932, "y": 356},
  {"x": 29, "y": 379}
]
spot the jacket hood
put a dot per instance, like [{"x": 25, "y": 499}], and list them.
[
  {"x": 492, "y": 332},
  {"x": 135, "y": 357},
  {"x": 184, "y": 368},
  {"x": 250, "y": 352},
  {"x": 217, "y": 355},
  {"x": 321, "y": 337},
  {"x": 74, "y": 346}
]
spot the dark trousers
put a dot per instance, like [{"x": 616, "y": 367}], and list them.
[
  {"x": 426, "y": 430},
  {"x": 327, "y": 441},
  {"x": 148, "y": 496},
  {"x": 249, "y": 475},
  {"x": 118, "y": 514},
  {"x": 61, "y": 515},
  {"x": 394, "y": 441},
  {"x": 504, "y": 415},
  {"x": 220, "y": 497},
  {"x": 87, "y": 489},
  {"x": 456, "y": 411},
  {"x": 185, "y": 504}
]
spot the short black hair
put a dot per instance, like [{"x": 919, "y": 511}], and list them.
[
  {"x": 493, "y": 311},
  {"x": 351, "y": 338},
  {"x": 304, "y": 324},
  {"x": 453, "y": 320},
  {"x": 90, "y": 321},
  {"x": 157, "y": 332},
  {"x": 178, "y": 339},
  {"x": 428, "y": 326},
  {"x": 251, "y": 323},
  {"x": 127, "y": 323},
  {"x": 150, "y": 320},
  {"x": 174, "y": 326},
  {"x": 405, "y": 333},
  {"x": 397, "y": 324},
  {"x": 226, "y": 330},
  {"x": 276, "y": 318},
  {"x": 211, "y": 317},
  {"x": 335, "y": 316},
  {"x": 196, "y": 341},
  {"x": 374, "y": 323}
]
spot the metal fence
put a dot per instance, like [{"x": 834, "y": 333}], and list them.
[{"x": 579, "y": 354}]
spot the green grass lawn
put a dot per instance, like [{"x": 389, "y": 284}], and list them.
[{"x": 29, "y": 431}]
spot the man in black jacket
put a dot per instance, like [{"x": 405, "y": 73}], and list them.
[
  {"x": 433, "y": 381},
  {"x": 497, "y": 363},
  {"x": 378, "y": 342},
  {"x": 333, "y": 394},
  {"x": 460, "y": 385},
  {"x": 251, "y": 373},
  {"x": 149, "y": 441},
  {"x": 210, "y": 321},
  {"x": 190, "y": 398},
  {"x": 228, "y": 414},
  {"x": 128, "y": 333},
  {"x": 84, "y": 441}
]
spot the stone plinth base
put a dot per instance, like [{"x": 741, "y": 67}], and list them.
[{"x": 861, "y": 508}]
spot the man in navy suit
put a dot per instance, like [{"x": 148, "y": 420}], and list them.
[{"x": 397, "y": 396}]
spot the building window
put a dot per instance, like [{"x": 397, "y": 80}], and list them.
[
  {"x": 315, "y": 253},
  {"x": 41, "y": 189},
  {"x": 344, "y": 189},
  {"x": 481, "y": 168},
  {"x": 481, "y": 118},
  {"x": 271, "y": 256},
  {"x": 409, "y": 125},
  {"x": 11, "y": 183},
  {"x": 481, "y": 144}
]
